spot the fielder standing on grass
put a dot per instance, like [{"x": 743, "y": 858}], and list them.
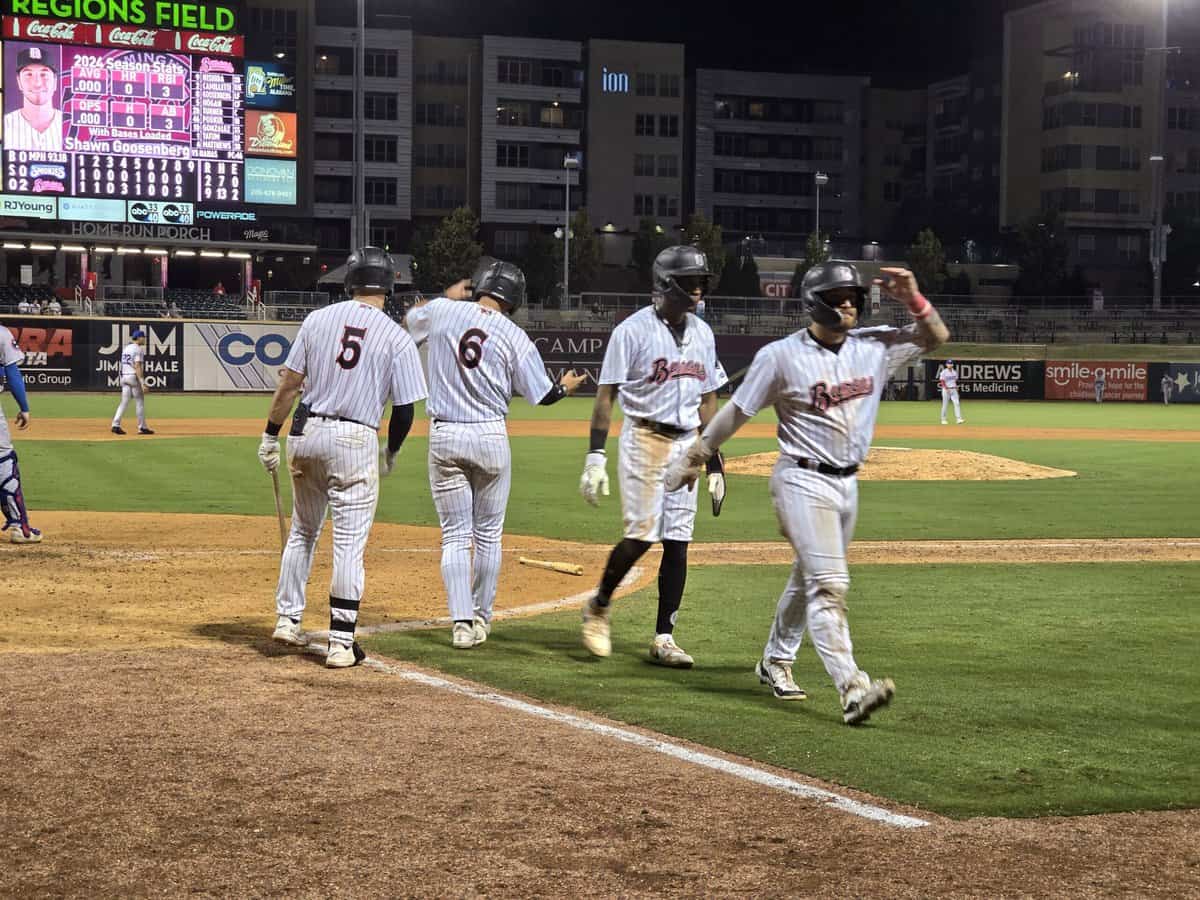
[
  {"x": 11, "y": 496},
  {"x": 662, "y": 363},
  {"x": 825, "y": 384},
  {"x": 351, "y": 358},
  {"x": 948, "y": 382},
  {"x": 133, "y": 382},
  {"x": 477, "y": 358}
]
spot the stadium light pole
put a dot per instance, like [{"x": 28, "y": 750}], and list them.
[
  {"x": 360, "y": 151},
  {"x": 570, "y": 164},
  {"x": 820, "y": 179}
]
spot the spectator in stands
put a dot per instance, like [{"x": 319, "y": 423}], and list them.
[
  {"x": 53, "y": 308},
  {"x": 43, "y": 307},
  {"x": 219, "y": 289},
  {"x": 26, "y": 306},
  {"x": 87, "y": 305},
  {"x": 173, "y": 310}
]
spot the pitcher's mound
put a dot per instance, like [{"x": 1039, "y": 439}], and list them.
[{"x": 906, "y": 464}]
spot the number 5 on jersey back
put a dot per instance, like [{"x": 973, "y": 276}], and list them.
[{"x": 351, "y": 347}]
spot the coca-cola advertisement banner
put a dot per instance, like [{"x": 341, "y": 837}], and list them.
[
  {"x": 122, "y": 36},
  {"x": 1096, "y": 380}
]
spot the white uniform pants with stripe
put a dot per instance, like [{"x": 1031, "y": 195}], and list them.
[
  {"x": 130, "y": 387},
  {"x": 334, "y": 466},
  {"x": 816, "y": 514},
  {"x": 950, "y": 395},
  {"x": 470, "y": 474},
  {"x": 651, "y": 512}
]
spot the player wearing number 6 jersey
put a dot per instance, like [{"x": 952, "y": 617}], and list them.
[
  {"x": 351, "y": 358},
  {"x": 477, "y": 358}
]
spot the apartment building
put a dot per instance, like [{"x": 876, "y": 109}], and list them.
[{"x": 894, "y": 159}]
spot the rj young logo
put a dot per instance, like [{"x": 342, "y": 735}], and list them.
[{"x": 613, "y": 82}]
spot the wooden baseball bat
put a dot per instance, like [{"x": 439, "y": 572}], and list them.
[
  {"x": 564, "y": 568},
  {"x": 279, "y": 512}
]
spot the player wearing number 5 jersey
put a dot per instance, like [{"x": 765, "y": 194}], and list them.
[
  {"x": 825, "y": 384},
  {"x": 478, "y": 357},
  {"x": 351, "y": 358},
  {"x": 662, "y": 363}
]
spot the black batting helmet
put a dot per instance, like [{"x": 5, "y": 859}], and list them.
[
  {"x": 825, "y": 277},
  {"x": 502, "y": 281},
  {"x": 672, "y": 264},
  {"x": 370, "y": 270}
]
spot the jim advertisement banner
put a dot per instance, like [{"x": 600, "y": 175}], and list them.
[
  {"x": 1174, "y": 382},
  {"x": 991, "y": 379},
  {"x": 1071, "y": 379},
  {"x": 235, "y": 356}
]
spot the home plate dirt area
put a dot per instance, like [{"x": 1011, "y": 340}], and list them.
[{"x": 156, "y": 742}]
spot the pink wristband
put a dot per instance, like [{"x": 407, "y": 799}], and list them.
[{"x": 919, "y": 306}]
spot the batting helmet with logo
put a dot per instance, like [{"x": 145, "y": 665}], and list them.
[
  {"x": 502, "y": 281},
  {"x": 825, "y": 277},
  {"x": 677, "y": 271},
  {"x": 370, "y": 270}
]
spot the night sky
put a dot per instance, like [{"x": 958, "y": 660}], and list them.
[{"x": 903, "y": 43}]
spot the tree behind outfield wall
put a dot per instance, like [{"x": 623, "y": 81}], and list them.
[
  {"x": 727, "y": 284},
  {"x": 706, "y": 236},
  {"x": 447, "y": 253},
  {"x": 927, "y": 260},
  {"x": 585, "y": 251},
  {"x": 647, "y": 244},
  {"x": 542, "y": 264},
  {"x": 1042, "y": 256},
  {"x": 815, "y": 253},
  {"x": 749, "y": 284}
]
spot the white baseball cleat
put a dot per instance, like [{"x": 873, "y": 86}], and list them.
[
  {"x": 666, "y": 652},
  {"x": 462, "y": 636},
  {"x": 343, "y": 656},
  {"x": 779, "y": 676},
  {"x": 481, "y": 629},
  {"x": 595, "y": 629},
  {"x": 17, "y": 536},
  {"x": 960, "y": 421},
  {"x": 943, "y": 421},
  {"x": 288, "y": 632},
  {"x": 858, "y": 703}
]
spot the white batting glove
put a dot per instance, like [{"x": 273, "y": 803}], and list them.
[
  {"x": 387, "y": 460},
  {"x": 716, "y": 490},
  {"x": 268, "y": 452},
  {"x": 594, "y": 480},
  {"x": 689, "y": 467}
]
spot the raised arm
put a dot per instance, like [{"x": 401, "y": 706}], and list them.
[{"x": 901, "y": 284}]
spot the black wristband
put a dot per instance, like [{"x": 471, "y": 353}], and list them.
[
  {"x": 272, "y": 429},
  {"x": 715, "y": 464},
  {"x": 553, "y": 395},
  {"x": 599, "y": 437}
]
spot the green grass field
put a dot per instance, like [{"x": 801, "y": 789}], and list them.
[{"x": 1023, "y": 689}]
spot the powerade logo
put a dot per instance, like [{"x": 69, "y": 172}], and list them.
[
  {"x": 226, "y": 216},
  {"x": 241, "y": 349}
]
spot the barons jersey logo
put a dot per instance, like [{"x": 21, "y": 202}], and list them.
[
  {"x": 664, "y": 371},
  {"x": 824, "y": 396}
]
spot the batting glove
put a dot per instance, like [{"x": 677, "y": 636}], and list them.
[
  {"x": 594, "y": 480},
  {"x": 687, "y": 468},
  {"x": 716, "y": 490},
  {"x": 387, "y": 461},
  {"x": 268, "y": 452}
]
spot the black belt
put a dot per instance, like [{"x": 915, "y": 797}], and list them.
[
  {"x": 340, "y": 419},
  {"x": 824, "y": 468},
  {"x": 665, "y": 430}
]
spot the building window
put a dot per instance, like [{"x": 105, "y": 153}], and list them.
[
  {"x": 333, "y": 189},
  {"x": 333, "y": 146},
  {"x": 380, "y": 191},
  {"x": 380, "y": 64},
  {"x": 551, "y": 117},
  {"x": 380, "y": 106},
  {"x": 643, "y": 204},
  {"x": 891, "y": 192},
  {"x": 512, "y": 156},
  {"x": 643, "y": 164},
  {"x": 333, "y": 104},
  {"x": 643, "y": 125},
  {"x": 668, "y": 125},
  {"x": 668, "y": 85},
  {"x": 668, "y": 166},
  {"x": 440, "y": 156},
  {"x": 514, "y": 71},
  {"x": 514, "y": 113},
  {"x": 379, "y": 148},
  {"x": 1086, "y": 245},
  {"x": 333, "y": 60},
  {"x": 668, "y": 207},
  {"x": 1129, "y": 246},
  {"x": 385, "y": 236},
  {"x": 514, "y": 196},
  {"x": 438, "y": 196},
  {"x": 1127, "y": 202},
  {"x": 645, "y": 84},
  {"x": 510, "y": 243},
  {"x": 892, "y": 156},
  {"x": 446, "y": 115}
]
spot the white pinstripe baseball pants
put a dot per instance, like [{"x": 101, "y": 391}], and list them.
[
  {"x": 651, "y": 512},
  {"x": 334, "y": 465},
  {"x": 470, "y": 474},
  {"x": 817, "y": 515},
  {"x": 131, "y": 388}
]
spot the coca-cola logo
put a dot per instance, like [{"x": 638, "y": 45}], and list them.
[
  {"x": 210, "y": 44},
  {"x": 55, "y": 31},
  {"x": 142, "y": 37}
]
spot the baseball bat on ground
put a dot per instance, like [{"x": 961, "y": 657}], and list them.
[
  {"x": 564, "y": 568},
  {"x": 279, "y": 512}
]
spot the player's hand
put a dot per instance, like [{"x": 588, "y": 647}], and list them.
[
  {"x": 899, "y": 284},
  {"x": 594, "y": 480},
  {"x": 145, "y": 387},
  {"x": 268, "y": 452},
  {"x": 716, "y": 490},
  {"x": 387, "y": 461},
  {"x": 460, "y": 290},
  {"x": 22, "y": 420},
  {"x": 571, "y": 381}
]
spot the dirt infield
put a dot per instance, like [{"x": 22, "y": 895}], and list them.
[
  {"x": 157, "y": 743},
  {"x": 98, "y": 430},
  {"x": 906, "y": 464}
]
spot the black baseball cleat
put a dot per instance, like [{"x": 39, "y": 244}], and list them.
[
  {"x": 145, "y": 431},
  {"x": 359, "y": 653},
  {"x": 117, "y": 429}
]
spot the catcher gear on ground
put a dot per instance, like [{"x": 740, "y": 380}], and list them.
[
  {"x": 369, "y": 270},
  {"x": 12, "y": 500},
  {"x": 502, "y": 281},
  {"x": 825, "y": 277},
  {"x": 676, "y": 271}
]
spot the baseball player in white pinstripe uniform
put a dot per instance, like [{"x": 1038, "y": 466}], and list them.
[
  {"x": 948, "y": 382},
  {"x": 351, "y": 357},
  {"x": 825, "y": 384},
  {"x": 12, "y": 497},
  {"x": 477, "y": 358},
  {"x": 37, "y": 125},
  {"x": 662, "y": 363}
]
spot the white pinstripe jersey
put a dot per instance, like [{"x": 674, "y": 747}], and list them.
[
  {"x": 130, "y": 356},
  {"x": 354, "y": 358},
  {"x": 478, "y": 357},
  {"x": 948, "y": 379},
  {"x": 20, "y": 135},
  {"x": 826, "y": 401},
  {"x": 661, "y": 379}
]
